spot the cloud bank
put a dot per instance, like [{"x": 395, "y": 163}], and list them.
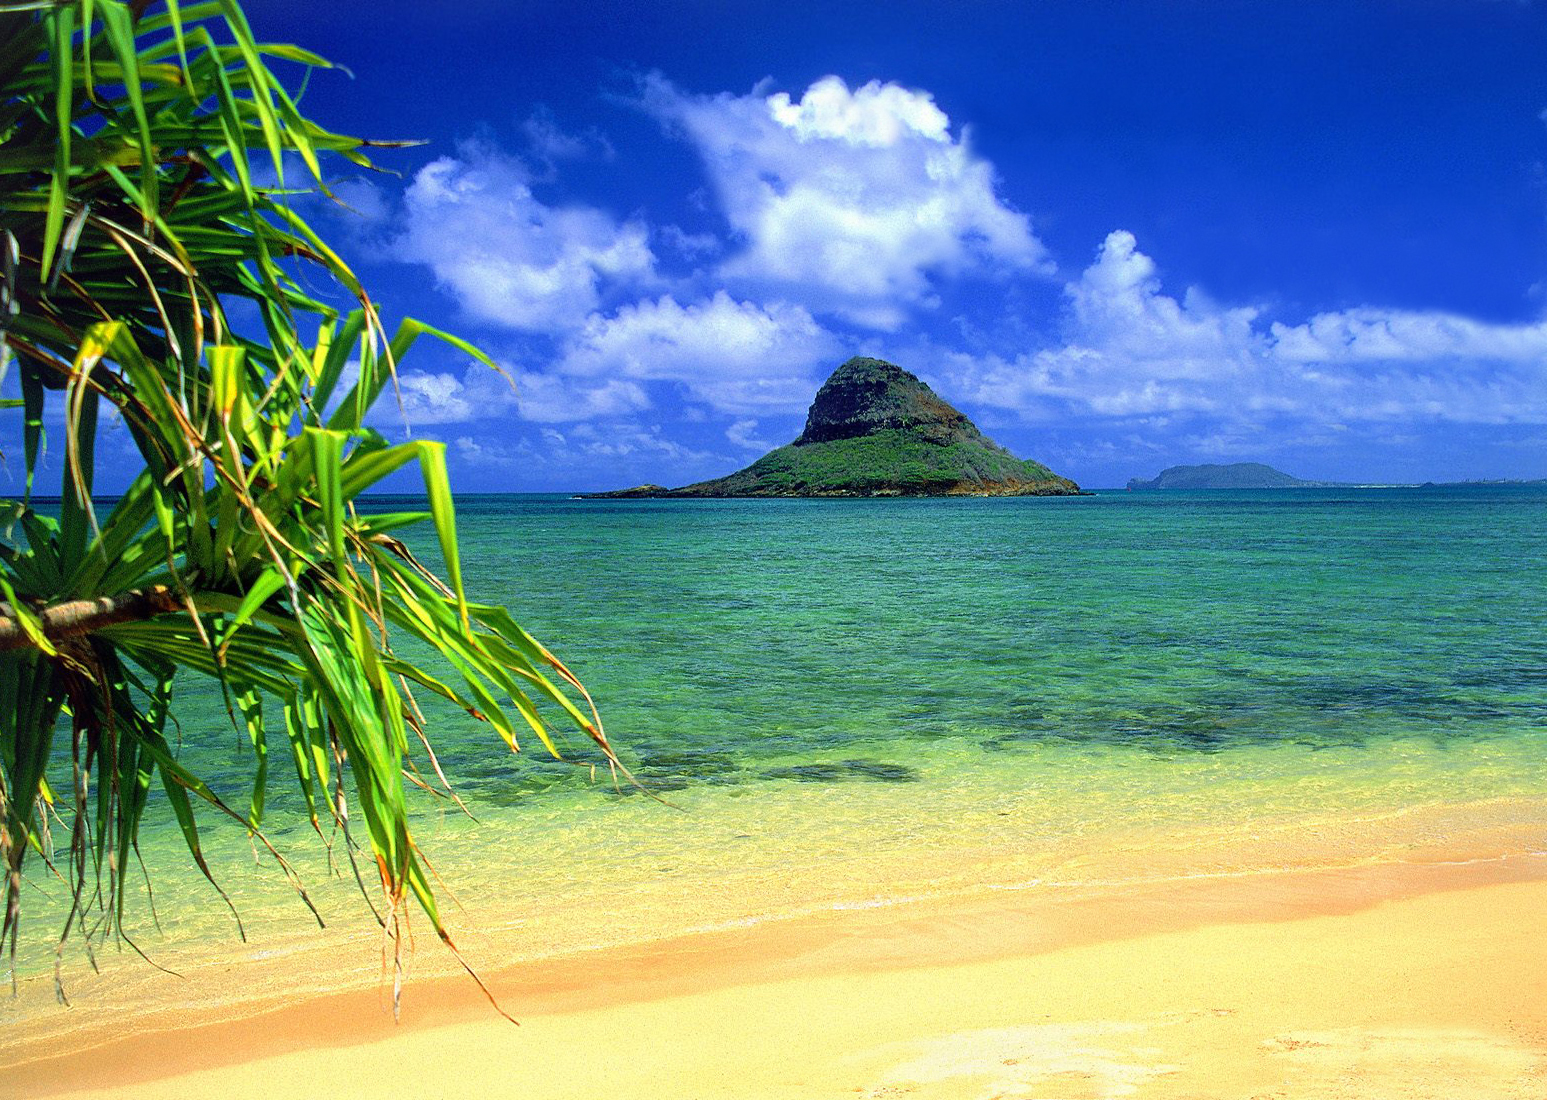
[
  {"x": 1129, "y": 349},
  {"x": 843, "y": 218}
]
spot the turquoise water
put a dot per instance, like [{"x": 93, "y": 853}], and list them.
[
  {"x": 850, "y": 701},
  {"x": 770, "y": 630}
]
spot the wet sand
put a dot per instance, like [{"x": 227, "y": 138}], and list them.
[{"x": 1386, "y": 980}]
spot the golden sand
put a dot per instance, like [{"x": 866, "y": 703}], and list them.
[{"x": 1383, "y": 981}]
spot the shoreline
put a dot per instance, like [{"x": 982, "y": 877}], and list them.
[{"x": 933, "y": 951}]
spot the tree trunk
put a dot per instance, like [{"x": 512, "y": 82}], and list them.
[{"x": 76, "y": 617}]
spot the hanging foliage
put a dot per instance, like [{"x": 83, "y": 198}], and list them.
[{"x": 133, "y": 143}]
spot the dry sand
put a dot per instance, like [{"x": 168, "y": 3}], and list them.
[{"x": 1383, "y": 981}]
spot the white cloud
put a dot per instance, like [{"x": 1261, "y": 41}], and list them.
[
  {"x": 487, "y": 453},
  {"x": 1131, "y": 350},
  {"x": 606, "y": 455},
  {"x": 550, "y": 143},
  {"x": 627, "y": 440},
  {"x": 738, "y": 357},
  {"x": 743, "y": 434},
  {"x": 364, "y": 198},
  {"x": 692, "y": 246},
  {"x": 481, "y": 395},
  {"x": 734, "y": 357},
  {"x": 850, "y": 201},
  {"x": 878, "y": 115},
  {"x": 1374, "y": 335},
  {"x": 443, "y": 398},
  {"x": 508, "y": 258},
  {"x": 552, "y": 399},
  {"x": 1117, "y": 305}
]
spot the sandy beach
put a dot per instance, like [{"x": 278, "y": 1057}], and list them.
[{"x": 1385, "y": 980}]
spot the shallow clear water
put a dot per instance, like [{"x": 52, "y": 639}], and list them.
[{"x": 852, "y": 701}]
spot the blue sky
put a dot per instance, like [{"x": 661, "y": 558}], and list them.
[{"x": 1119, "y": 236}]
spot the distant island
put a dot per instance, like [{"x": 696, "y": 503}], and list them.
[
  {"x": 1236, "y": 475},
  {"x": 1256, "y": 475},
  {"x": 874, "y": 430}
]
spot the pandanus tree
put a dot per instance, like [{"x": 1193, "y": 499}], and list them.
[{"x": 146, "y": 156}]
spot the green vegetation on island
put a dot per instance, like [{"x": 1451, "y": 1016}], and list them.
[{"x": 875, "y": 430}]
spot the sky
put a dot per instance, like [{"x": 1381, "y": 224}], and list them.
[{"x": 1118, "y": 236}]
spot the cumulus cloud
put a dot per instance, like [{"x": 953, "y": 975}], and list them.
[
  {"x": 363, "y": 198},
  {"x": 1131, "y": 350},
  {"x": 481, "y": 394},
  {"x": 743, "y": 433},
  {"x": 508, "y": 258},
  {"x": 729, "y": 356},
  {"x": 628, "y": 439},
  {"x": 1117, "y": 305},
  {"x": 736, "y": 356},
  {"x": 854, "y": 201},
  {"x": 693, "y": 246},
  {"x": 443, "y": 398},
  {"x": 489, "y": 453},
  {"x": 1376, "y": 335},
  {"x": 583, "y": 456},
  {"x": 580, "y": 450},
  {"x": 553, "y": 399},
  {"x": 550, "y": 143}
]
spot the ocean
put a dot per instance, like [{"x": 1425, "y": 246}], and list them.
[{"x": 854, "y": 703}]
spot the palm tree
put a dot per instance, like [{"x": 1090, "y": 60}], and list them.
[{"x": 131, "y": 220}]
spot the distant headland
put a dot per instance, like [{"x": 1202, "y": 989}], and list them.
[
  {"x": 1256, "y": 475},
  {"x": 1235, "y": 475},
  {"x": 874, "y": 430}
]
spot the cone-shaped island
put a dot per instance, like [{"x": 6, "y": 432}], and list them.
[{"x": 875, "y": 430}]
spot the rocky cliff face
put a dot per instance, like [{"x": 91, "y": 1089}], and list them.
[
  {"x": 876, "y": 430},
  {"x": 865, "y": 396}
]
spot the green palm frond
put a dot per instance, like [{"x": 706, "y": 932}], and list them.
[{"x": 130, "y": 220}]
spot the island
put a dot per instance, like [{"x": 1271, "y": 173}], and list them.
[
  {"x": 1235, "y": 475},
  {"x": 874, "y": 430}
]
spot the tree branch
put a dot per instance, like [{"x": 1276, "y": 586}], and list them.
[{"x": 76, "y": 617}]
